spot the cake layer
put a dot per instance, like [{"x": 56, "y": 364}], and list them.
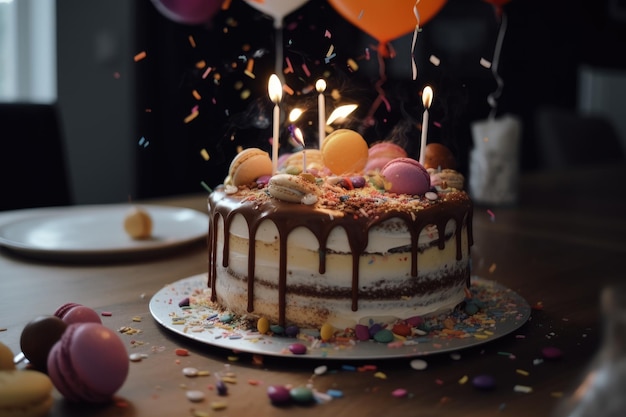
[{"x": 342, "y": 260}]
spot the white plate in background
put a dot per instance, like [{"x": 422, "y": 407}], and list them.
[{"x": 96, "y": 232}]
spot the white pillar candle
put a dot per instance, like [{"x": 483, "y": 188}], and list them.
[
  {"x": 427, "y": 98},
  {"x": 320, "y": 86},
  {"x": 275, "y": 90}
]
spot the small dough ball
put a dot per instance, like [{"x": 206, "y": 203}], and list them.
[{"x": 138, "y": 224}]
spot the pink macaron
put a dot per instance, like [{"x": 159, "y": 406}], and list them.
[
  {"x": 89, "y": 363},
  {"x": 77, "y": 313},
  {"x": 406, "y": 176},
  {"x": 382, "y": 152}
]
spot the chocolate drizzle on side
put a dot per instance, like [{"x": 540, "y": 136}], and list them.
[{"x": 289, "y": 216}]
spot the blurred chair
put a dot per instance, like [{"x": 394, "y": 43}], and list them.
[
  {"x": 33, "y": 170},
  {"x": 566, "y": 138}
]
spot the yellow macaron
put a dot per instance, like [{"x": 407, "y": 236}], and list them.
[
  {"x": 25, "y": 393},
  {"x": 345, "y": 151},
  {"x": 248, "y": 165}
]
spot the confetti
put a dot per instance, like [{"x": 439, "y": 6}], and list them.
[
  {"x": 523, "y": 389},
  {"x": 434, "y": 60},
  {"x": 141, "y": 55},
  {"x": 192, "y": 41},
  {"x": 205, "y": 154},
  {"x": 191, "y": 116},
  {"x": 196, "y": 95},
  {"x": 484, "y": 63}
]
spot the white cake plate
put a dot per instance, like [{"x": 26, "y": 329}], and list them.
[{"x": 504, "y": 311}]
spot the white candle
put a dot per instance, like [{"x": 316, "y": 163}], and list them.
[
  {"x": 427, "y": 98},
  {"x": 320, "y": 86},
  {"x": 300, "y": 139},
  {"x": 275, "y": 90}
]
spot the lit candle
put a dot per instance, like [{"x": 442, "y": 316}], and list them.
[
  {"x": 275, "y": 90},
  {"x": 427, "y": 98},
  {"x": 297, "y": 135},
  {"x": 320, "y": 86}
]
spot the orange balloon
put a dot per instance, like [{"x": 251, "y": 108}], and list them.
[{"x": 386, "y": 20}]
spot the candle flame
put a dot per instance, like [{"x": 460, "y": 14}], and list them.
[
  {"x": 341, "y": 112},
  {"x": 295, "y": 114},
  {"x": 320, "y": 86},
  {"x": 427, "y": 96},
  {"x": 298, "y": 137},
  {"x": 275, "y": 89}
]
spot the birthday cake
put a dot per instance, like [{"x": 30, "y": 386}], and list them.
[{"x": 331, "y": 238}]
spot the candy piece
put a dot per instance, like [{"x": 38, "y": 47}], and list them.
[
  {"x": 551, "y": 352},
  {"x": 399, "y": 393},
  {"x": 301, "y": 395},
  {"x": 320, "y": 370},
  {"x": 297, "y": 348},
  {"x": 6, "y": 358},
  {"x": 419, "y": 364},
  {"x": 437, "y": 156},
  {"x": 263, "y": 325},
  {"x": 195, "y": 396},
  {"x": 292, "y": 331},
  {"x": 345, "y": 151},
  {"x": 406, "y": 176},
  {"x": 384, "y": 336},
  {"x": 326, "y": 332},
  {"x": 484, "y": 382},
  {"x": 248, "y": 165},
  {"x": 401, "y": 329},
  {"x": 362, "y": 332},
  {"x": 38, "y": 337},
  {"x": 190, "y": 371},
  {"x": 138, "y": 223},
  {"x": 278, "y": 394}
]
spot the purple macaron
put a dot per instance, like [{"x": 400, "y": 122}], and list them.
[
  {"x": 77, "y": 313},
  {"x": 406, "y": 176},
  {"x": 89, "y": 364}
]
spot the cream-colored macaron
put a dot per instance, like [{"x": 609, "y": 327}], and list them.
[
  {"x": 138, "y": 223},
  {"x": 248, "y": 165},
  {"x": 25, "y": 393},
  {"x": 293, "y": 188},
  {"x": 313, "y": 160}
]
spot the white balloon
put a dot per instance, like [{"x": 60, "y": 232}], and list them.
[{"x": 278, "y": 9}]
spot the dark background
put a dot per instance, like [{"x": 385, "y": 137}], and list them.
[{"x": 546, "y": 42}]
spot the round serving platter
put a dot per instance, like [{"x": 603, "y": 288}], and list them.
[{"x": 503, "y": 311}]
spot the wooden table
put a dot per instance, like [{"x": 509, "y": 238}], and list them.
[{"x": 557, "y": 248}]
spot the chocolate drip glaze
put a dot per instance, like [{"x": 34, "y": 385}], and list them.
[{"x": 289, "y": 216}]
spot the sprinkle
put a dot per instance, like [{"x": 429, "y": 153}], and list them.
[
  {"x": 289, "y": 68},
  {"x": 201, "y": 64},
  {"x": 330, "y": 51},
  {"x": 485, "y": 63},
  {"x": 434, "y": 60},
  {"x": 523, "y": 389},
  {"x": 352, "y": 64},
  {"x": 191, "y": 116},
  {"x": 192, "y": 42},
  {"x": 205, "y": 186},
  {"x": 491, "y": 215},
  {"x": 205, "y": 154},
  {"x": 522, "y": 372},
  {"x": 492, "y": 268},
  {"x": 136, "y": 319},
  {"x": 419, "y": 364},
  {"x": 141, "y": 55},
  {"x": 207, "y": 72},
  {"x": 320, "y": 370},
  {"x": 196, "y": 95},
  {"x": 137, "y": 357},
  {"x": 327, "y": 34},
  {"x": 380, "y": 375},
  {"x": 249, "y": 71},
  {"x": 306, "y": 70},
  {"x": 335, "y": 393},
  {"x": 463, "y": 380},
  {"x": 106, "y": 314}
]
